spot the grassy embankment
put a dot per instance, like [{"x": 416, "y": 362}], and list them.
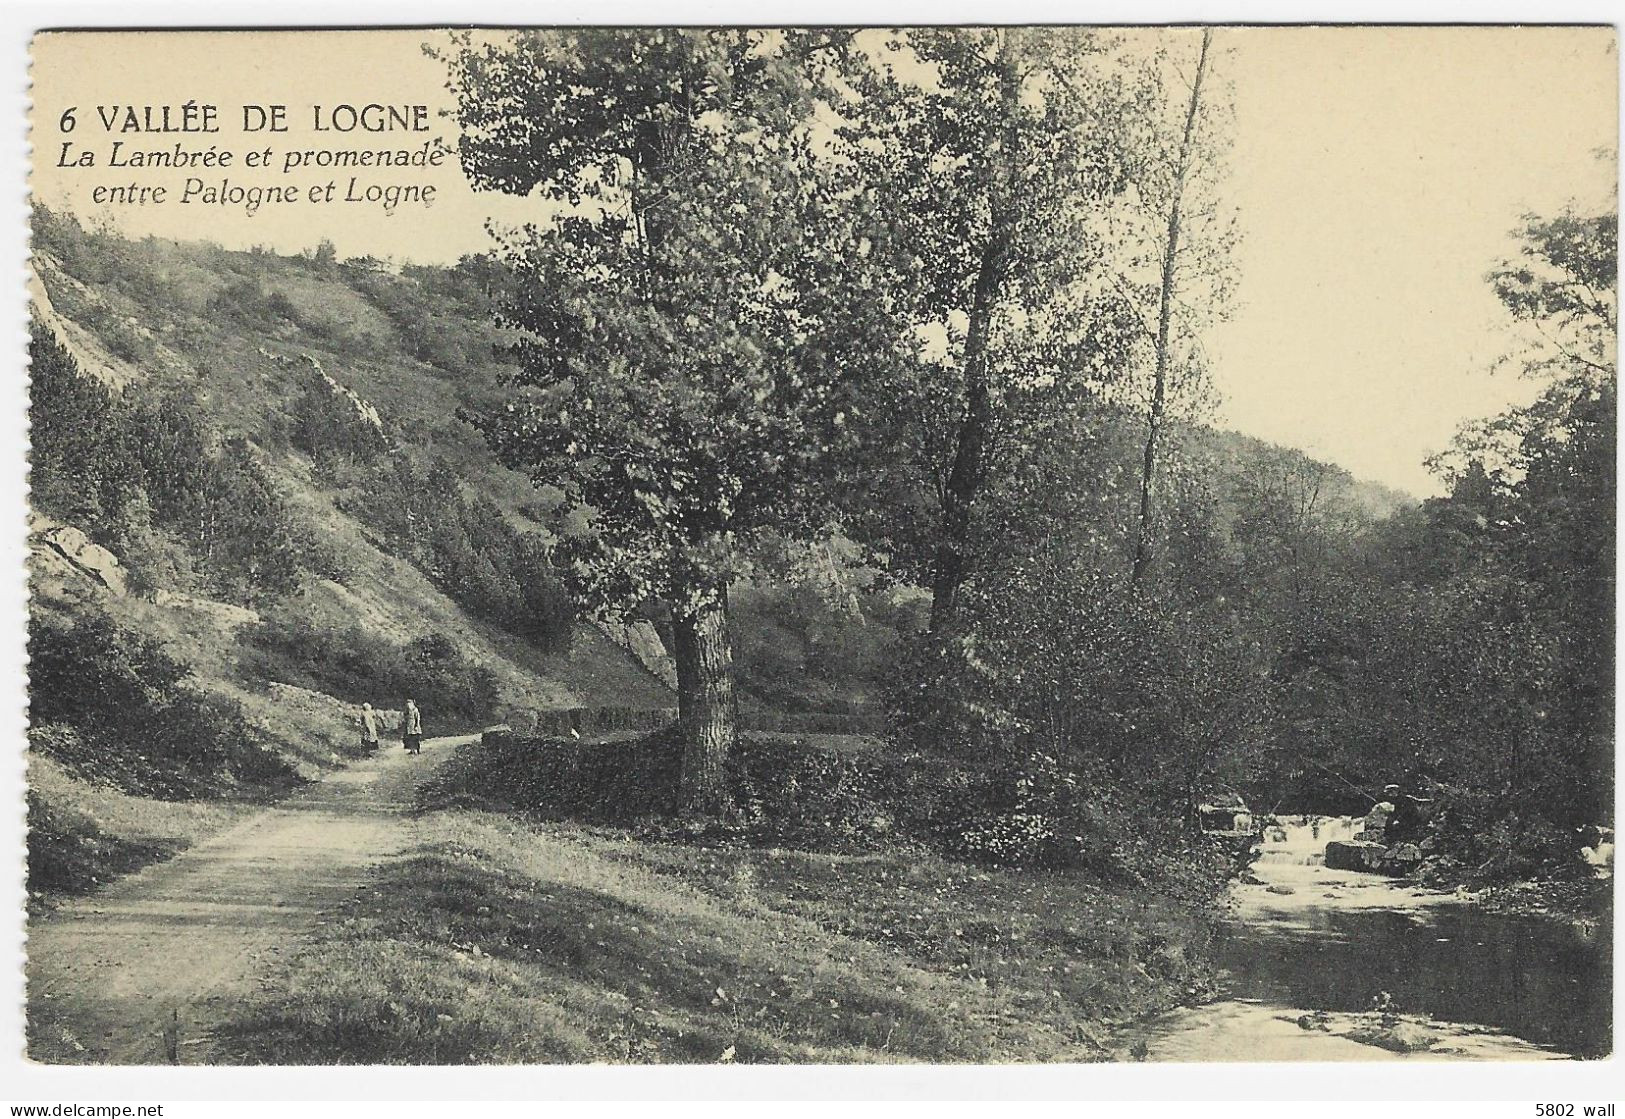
[
  {"x": 501, "y": 937},
  {"x": 83, "y": 835}
]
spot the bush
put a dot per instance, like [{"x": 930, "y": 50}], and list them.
[
  {"x": 119, "y": 469},
  {"x": 325, "y": 426},
  {"x": 68, "y": 853},
  {"x": 438, "y": 313},
  {"x": 356, "y": 666},
  {"x": 794, "y": 794},
  {"x": 247, "y": 302},
  {"x": 1488, "y": 841},
  {"x": 114, "y": 707}
]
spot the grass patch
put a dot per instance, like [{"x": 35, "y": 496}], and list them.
[
  {"x": 497, "y": 942},
  {"x": 83, "y": 835}
]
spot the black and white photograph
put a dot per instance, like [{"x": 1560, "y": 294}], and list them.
[{"x": 962, "y": 545}]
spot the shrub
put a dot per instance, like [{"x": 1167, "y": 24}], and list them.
[
  {"x": 356, "y": 666},
  {"x": 325, "y": 426},
  {"x": 1489, "y": 840},
  {"x": 246, "y": 301},
  {"x": 795, "y": 794},
  {"x": 468, "y": 549},
  {"x": 113, "y": 706},
  {"x": 608, "y": 783}
]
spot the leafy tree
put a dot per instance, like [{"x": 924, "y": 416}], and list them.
[
  {"x": 679, "y": 370},
  {"x": 982, "y": 160},
  {"x": 1469, "y": 644}
]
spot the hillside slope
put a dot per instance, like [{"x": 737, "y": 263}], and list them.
[
  {"x": 215, "y": 590},
  {"x": 348, "y": 381},
  {"x": 143, "y": 318}
]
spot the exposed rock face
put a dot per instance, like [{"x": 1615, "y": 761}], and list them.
[
  {"x": 223, "y": 612},
  {"x": 89, "y": 558},
  {"x": 82, "y": 345},
  {"x": 364, "y": 410},
  {"x": 642, "y": 640}
]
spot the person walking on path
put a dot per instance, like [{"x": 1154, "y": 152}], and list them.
[
  {"x": 369, "y": 728},
  {"x": 412, "y": 729}
]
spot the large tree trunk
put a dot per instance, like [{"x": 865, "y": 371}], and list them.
[
  {"x": 707, "y": 710},
  {"x": 1165, "y": 304}
]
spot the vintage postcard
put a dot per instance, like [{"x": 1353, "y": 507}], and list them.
[{"x": 813, "y": 546}]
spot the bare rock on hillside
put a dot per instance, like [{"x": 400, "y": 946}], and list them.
[
  {"x": 87, "y": 557},
  {"x": 365, "y": 412},
  {"x": 642, "y": 640},
  {"x": 229, "y": 616}
]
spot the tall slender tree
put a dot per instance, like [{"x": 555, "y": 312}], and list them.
[{"x": 1168, "y": 196}]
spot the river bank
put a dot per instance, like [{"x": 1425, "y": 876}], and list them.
[
  {"x": 1319, "y": 964},
  {"x": 1577, "y": 901}
]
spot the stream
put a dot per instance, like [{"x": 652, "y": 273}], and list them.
[{"x": 1330, "y": 965}]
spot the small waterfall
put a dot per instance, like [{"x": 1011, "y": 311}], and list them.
[{"x": 1301, "y": 840}]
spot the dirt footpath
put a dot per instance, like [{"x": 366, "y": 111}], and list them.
[{"x": 136, "y": 974}]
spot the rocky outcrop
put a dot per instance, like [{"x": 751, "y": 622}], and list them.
[
  {"x": 1598, "y": 850},
  {"x": 86, "y": 557},
  {"x": 642, "y": 640},
  {"x": 364, "y": 411},
  {"x": 225, "y": 613},
  {"x": 1354, "y": 854},
  {"x": 1369, "y": 855}
]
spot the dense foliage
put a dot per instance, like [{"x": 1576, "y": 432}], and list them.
[
  {"x": 1126, "y": 614},
  {"x": 1470, "y": 643},
  {"x": 145, "y": 477},
  {"x": 687, "y": 354},
  {"x": 1295, "y": 644},
  {"x": 775, "y": 321},
  {"x": 984, "y": 194},
  {"x": 359, "y": 666},
  {"x": 794, "y": 793},
  {"x": 468, "y": 548},
  {"x": 113, "y": 706}
]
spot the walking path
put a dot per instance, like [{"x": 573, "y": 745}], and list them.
[{"x": 137, "y": 973}]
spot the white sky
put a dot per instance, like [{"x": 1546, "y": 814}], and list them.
[{"x": 1376, "y": 175}]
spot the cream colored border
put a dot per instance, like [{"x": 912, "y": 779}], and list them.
[{"x": 20, "y": 1082}]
